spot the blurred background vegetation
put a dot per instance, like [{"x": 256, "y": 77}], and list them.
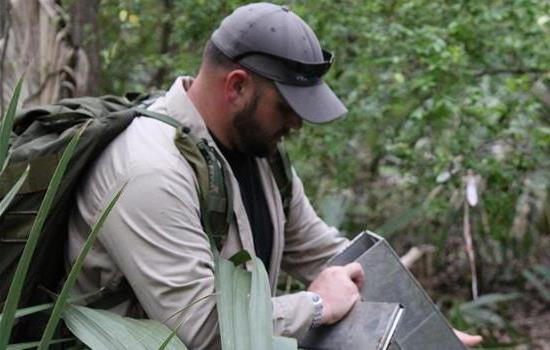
[{"x": 447, "y": 137}]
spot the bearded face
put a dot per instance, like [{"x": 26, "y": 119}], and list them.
[{"x": 257, "y": 127}]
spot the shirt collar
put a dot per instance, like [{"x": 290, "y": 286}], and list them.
[{"x": 180, "y": 107}]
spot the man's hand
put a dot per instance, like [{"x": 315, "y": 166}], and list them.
[
  {"x": 467, "y": 339},
  {"x": 339, "y": 287}
]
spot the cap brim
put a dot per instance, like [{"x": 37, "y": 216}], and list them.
[{"x": 315, "y": 104}]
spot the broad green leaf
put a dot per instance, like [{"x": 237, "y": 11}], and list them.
[
  {"x": 538, "y": 284},
  {"x": 543, "y": 271},
  {"x": 152, "y": 334},
  {"x": 260, "y": 312},
  {"x": 7, "y": 123},
  {"x": 284, "y": 343},
  {"x": 175, "y": 330},
  {"x": 244, "y": 307},
  {"x": 400, "y": 221},
  {"x": 484, "y": 317},
  {"x": 13, "y": 191},
  {"x": 100, "y": 329},
  {"x": 73, "y": 274},
  {"x": 34, "y": 344},
  {"x": 490, "y": 299},
  {"x": 232, "y": 292},
  {"x": 240, "y": 284},
  {"x": 14, "y": 293},
  {"x": 333, "y": 208}
]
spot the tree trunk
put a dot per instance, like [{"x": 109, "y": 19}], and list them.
[
  {"x": 36, "y": 44},
  {"x": 3, "y": 17},
  {"x": 86, "y": 36},
  {"x": 165, "y": 47}
]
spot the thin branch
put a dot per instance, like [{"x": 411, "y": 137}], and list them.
[
  {"x": 470, "y": 249},
  {"x": 496, "y": 71}
]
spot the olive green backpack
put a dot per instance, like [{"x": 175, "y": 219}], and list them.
[{"x": 40, "y": 136}]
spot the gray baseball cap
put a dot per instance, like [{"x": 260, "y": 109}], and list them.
[{"x": 273, "y": 42}]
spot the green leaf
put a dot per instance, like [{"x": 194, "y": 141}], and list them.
[
  {"x": 174, "y": 331},
  {"x": 152, "y": 334},
  {"x": 240, "y": 257},
  {"x": 244, "y": 307},
  {"x": 400, "y": 220},
  {"x": 14, "y": 293},
  {"x": 489, "y": 299},
  {"x": 484, "y": 317},
  {"x": 73, "y": 274},
  {"x": 543, "y": 271},
  {"x": 284, "y": 343},
  {"x": 538, "y": 284},
  {"x": 334, "y": 207},
  {"x": 4, "y": 204},
  {"x": 34, "y": 344},
  {"x": 232, "y": 291},
  {"x": 43, "y": 307},
  {"x": 168, "y": 339},
  {"x": 100, "y": 329},
  {"x": 30, "y": 310},
  {"x": 260, "y": 313},
  {"x": 7, "y": 123}
]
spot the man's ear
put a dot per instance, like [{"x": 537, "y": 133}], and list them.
[{"x": 238, "y": 88}]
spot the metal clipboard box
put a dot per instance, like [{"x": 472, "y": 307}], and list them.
[
  {"x": 423, "y": 326},
  {"x": 356, "y": 331}
]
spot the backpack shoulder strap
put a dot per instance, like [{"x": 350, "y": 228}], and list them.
[
  {"x": 214, "y": 190},
  {"x": 282, "y": 171},
  {"x": 158, "y": 116},
  {"x": 216, "y": 199},
  {"x": 215, "y": 193}
]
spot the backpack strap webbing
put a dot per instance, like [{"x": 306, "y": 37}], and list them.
[
  {"x": 282, "y": 171},
  {"x": 158, "y": 116},
  {"x": 215, "y": 195}
]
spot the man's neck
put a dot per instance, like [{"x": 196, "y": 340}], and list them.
[{"x": 206, "y": 101}]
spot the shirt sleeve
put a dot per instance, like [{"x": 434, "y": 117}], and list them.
[
  {"x": 309, "y": 241},
  {"x": 154, "y": 236}
]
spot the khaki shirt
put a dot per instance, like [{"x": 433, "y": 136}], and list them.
[{"x": 154, "y": 238}]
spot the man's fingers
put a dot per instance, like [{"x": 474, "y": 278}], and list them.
[
  {"x": 355, "y": 271},
  {"x": 467, "y": 339}
]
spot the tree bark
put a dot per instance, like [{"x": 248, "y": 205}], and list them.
[
  {"x": 85, "y": 35},
  {"x": 3, "y": 17},
  {"x": 37, "y": 45},
  {"x": 4, "y": 39}
]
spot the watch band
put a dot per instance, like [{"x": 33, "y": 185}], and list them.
[{"x": 317, "y": 309}]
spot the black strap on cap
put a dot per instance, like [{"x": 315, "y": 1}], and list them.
[{"x": 284, "y": 70}]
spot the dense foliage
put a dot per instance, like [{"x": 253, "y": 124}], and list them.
[{"x": 439, "y": 96}]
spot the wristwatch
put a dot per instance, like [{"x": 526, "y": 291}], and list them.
[{"x": 317, "y": 309}]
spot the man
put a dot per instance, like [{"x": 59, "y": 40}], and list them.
[{"x": 259, "y": 79}]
